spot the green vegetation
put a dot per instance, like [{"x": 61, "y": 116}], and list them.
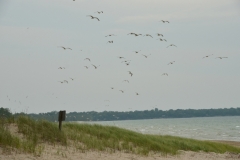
[
  {"x": 87, "y": 137},
  {"x": 134, "y": 115}
]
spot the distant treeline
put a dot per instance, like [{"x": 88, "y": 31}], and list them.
[{"x": 131, "y": 115}]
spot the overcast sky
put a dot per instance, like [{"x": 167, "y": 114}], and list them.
[{"x": 32, "y": 31}]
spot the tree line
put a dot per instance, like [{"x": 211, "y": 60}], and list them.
[{"x": 129, "y": 115}]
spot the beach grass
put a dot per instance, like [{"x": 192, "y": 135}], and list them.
[{"x": 93, "y": 137}]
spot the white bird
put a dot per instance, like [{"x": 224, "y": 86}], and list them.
[
  {"x": 171, "y": 62},
  {"x": 95, "y": 66},
  {"x": 146, "y": 55},
  {"x": 99, "y": 12},
  {"x": 164, "y": 21},
  {"x": 65, "y": 48},
  {"x": 221, "y": 57},
  {"x": 158, "y": 34},
  {"x": 171, "y": 45},
  {"x": 207, "y": 56},
  {"x": 87, "y": 59},
  {"x": 92, "y": 17},
  {"x": 148, "y": 35},
  {"x": 130, "y": 73},
  {"x": 110, "y": 35}
]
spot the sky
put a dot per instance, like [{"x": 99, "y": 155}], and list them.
[{"x": 32, "y": 33}]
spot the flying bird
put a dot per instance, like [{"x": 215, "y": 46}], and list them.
[
  {"x": 171, "y": 45},
  {"x": 87, "y": 59},
  {"x": 126, "y": 81},
  {"x": 207, "y": 56},
  {"x": 148, "y": 35},
  {"x": 121, "y": 91},
  {"x": 137, "y": 93},
  {"x": 110, "y": 35},
  {"x": 130, "y": 73},
  {"x": 162, "y": 39},
  {"x": 171, "y": 62},
  {"x": 92, "y": 17},
  {"x": 146, "y": 55},
  {"x": 136, "y": 51},
  {"x": 112, "y": 88},
  {"x": 164, "y": 74},
  {"x": 221, "y": 57},
  {"x": 121, "y": 57},
  {"x": 65, "y": 48},
  {"x": 164, "y": 21},
  {"x": 158, "y": 34},
  {"x": 110, "y": 42},
  {"x": 99, "y": 12},
  {"x": 95, "y": 66},
  {"x": 72, "y": 78},
  {"x": 86, "y": 67}
]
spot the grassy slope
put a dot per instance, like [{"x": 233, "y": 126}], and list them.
[{"x": 104, "y": 138}]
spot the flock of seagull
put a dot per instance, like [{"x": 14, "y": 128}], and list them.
[
  {"x": 123, "y": 59},
  {"x": 127, "y": 62}
]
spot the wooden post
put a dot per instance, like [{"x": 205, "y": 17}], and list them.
[{"x": 61, "y": 117}]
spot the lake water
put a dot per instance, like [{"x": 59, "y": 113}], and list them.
[{"x": 207, "y": 128}]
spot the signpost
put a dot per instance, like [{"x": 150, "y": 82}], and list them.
[{"x": 61, "y": 117}]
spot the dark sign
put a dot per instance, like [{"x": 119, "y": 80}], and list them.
[{"x": 62, "y": 116}]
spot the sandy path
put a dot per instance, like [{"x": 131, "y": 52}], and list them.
[{"x": 63, "y": 153}]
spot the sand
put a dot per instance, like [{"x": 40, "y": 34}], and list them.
[{"x": 70, "y": 153}]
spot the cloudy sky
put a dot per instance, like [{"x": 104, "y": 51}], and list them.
[{"x": 32, "y": 31}]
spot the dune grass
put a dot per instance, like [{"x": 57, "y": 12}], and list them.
[{"x": 86, "y": 137}]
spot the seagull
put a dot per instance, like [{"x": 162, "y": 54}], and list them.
[
  {"x": 134, "y": 34},
  {"x": 65, "y": 81},
  {"x": 164, "y": 21},
  {"x": 221, "y": 57},
  {"x": 110, "y": 35},
  {"x": 131, "y": 33},
  {"x": 93, "y": 17},
  {"x": 95, "y": 66},
  {"x": 72, "y": 78},
  {"x": 162, "y": 39},
  {"x": 65, "y": 48},
  {"x": 171, "y": 62},
  {"x": 110, "y": 42},
  {"x": 112, "y": 88},
  {"x": 145, "y": 55},
  {"x": 165, "y": 74},
  {"x": 87, "y": 59},
  {"x": 137, "y": 93},
  {"x": 127, "y": 63},
  {"x": 136, "y": 51},
  {"x": 121, "y": 91},
  {"x": 99, "y": 12},
  {"x": 158, "y": 34},
  {"x": 126, "y": 81},
  {"x": 86, "y": 67},
  {"x": 121, "y": 57},
  {"x": 171, "y": 45},
  {"x": 130, "y": 73},
  {"x": 60, "y": 81},
  {"x": 148, "y": 35},
  {"x": 61, "y": 68},
  {"x": 138, "y": 34},
  {"x": 208, "y": 56}
]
